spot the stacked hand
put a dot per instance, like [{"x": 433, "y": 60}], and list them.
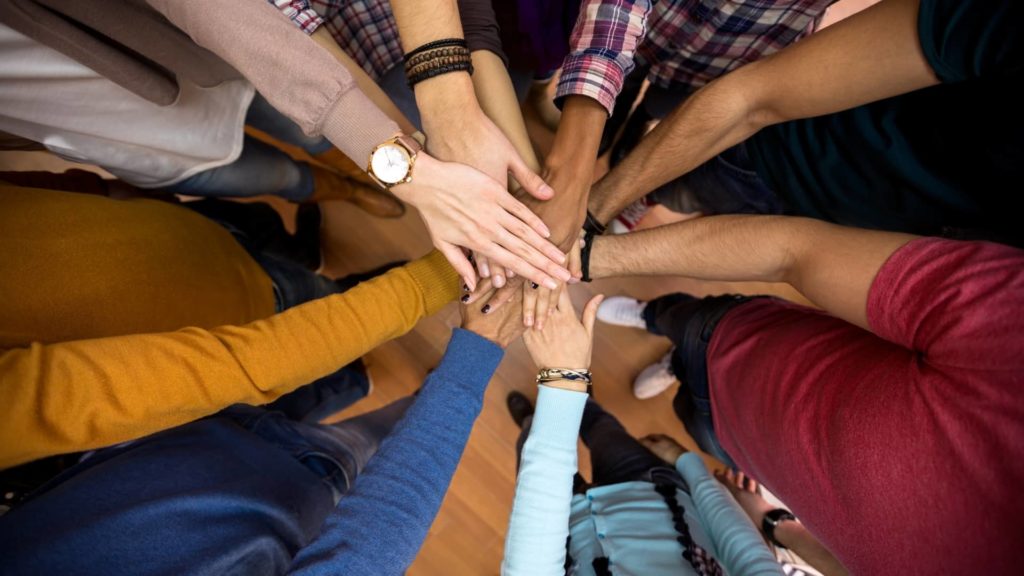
[{"x": 568, "y": 341}]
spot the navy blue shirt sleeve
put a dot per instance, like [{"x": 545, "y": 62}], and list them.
[
  {"x": 379, "y": 526},
  {"x": 965, "y": 39}
]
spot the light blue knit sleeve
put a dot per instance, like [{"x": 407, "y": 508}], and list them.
[
  {"x": 539, "y": 524},
  {"x": 738, "y": 545}
]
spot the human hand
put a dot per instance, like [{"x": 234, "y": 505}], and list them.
[
  {"x": 664, "y": 447},
  {"x": 464, "y": 208},
  {"x": 463, "y": 133},
  {"x": 539, "y": 301},
  {"x": 746, "y": 492},
  {"x": 502, "y": 328},
  {"x": 568, "y": 341}
]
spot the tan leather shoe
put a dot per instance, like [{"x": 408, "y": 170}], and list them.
[{"x": 328, "y": 185}]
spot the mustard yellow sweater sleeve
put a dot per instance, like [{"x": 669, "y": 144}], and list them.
[{"x": 85, "y": 394}]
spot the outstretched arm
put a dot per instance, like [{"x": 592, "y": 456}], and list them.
[
  {"x": 872, "y": 55},
  {"x": 833, "y": 266}
]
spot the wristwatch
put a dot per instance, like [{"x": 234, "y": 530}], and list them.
[
  {"x": 391, "y": 161},
  {"x": 772, "y": 519}
]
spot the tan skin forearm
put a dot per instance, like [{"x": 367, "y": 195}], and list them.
[
  {"x": 323, "y": 37},
  {"x": 870, "y": 56},
  {"x": 794, "y": 536},
  {"x": 497, "y": 99},
  {"x": 833, "y": 266}
]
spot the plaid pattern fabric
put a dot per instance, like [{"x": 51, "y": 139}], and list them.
[
  {"x": 687, "y": 43},
  {"x": 603, "y": 43},
  {"x": 703, "y": 563},
  {"x": 364, "y": 29},
  {"x": 690, "y": 43}
]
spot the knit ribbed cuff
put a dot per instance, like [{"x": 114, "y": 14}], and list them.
[{"x": 438, "y": 281}]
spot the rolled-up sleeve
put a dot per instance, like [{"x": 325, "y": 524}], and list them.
[{"x": 602, "y": 46}]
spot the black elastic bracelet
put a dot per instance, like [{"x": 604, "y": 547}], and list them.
[
  {"x": 437, "y": 44},
  {"x": 588, "y": 244},
  {"x": 592, "y": 225},
  {"x": 428, "y": 74}
]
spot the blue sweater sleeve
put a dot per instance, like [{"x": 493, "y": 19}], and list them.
[
  {"x": 738, "y": 545},
  {"x": 379, "y": 526},
  {"x": 539, "y": 524}
]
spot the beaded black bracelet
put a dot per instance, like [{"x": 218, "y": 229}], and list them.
[
  {"x": 436, "y": 44},
  {"x": 432, "y": 72},
  {"x": 425, "y": 57},
  {"x": 437, "y": 63}
]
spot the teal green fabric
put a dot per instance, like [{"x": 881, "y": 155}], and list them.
[{"x": 936, "y": 161}]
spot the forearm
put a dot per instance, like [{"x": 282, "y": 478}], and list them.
[
  {"x": 873, "y": 55},
  {"x": 794, "y": 536},
  {"x": 539, "y": 522},
  {"x": 497, "y": 98},
  {"x": 569, "y": 168},
  {"x": 323, "y": 37},
  {"x": 831, "y": 265},
  {"x": 716, "y": 117},
  {"x": 85, "y": 394},
  {"x": 300, "y": 79},
  {"x": 380, "y": 524}
]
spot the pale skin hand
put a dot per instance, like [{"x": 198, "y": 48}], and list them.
[
  {"x": 502, "y": 328},
  {"x": 463, "y": 208},
  {"x": 568, "y": 341}
]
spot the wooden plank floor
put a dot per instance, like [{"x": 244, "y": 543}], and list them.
[{"x": 468, "y": 535}]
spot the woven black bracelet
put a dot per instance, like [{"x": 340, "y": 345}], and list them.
[
  {"x": 588, "y": 245},
  {"x": 432, "y": 72},
  {"x": 437, "y": 44}
]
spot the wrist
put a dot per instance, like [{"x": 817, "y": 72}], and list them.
[
  {"x": 424, "y": 171},
  {"x": 773, "y": 522},
  {"x": 442, "y": 98}
]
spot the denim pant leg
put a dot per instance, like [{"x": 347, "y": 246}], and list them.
[
  {"x": 615, "y": 455},
  {"x": 263, "y": 116},
  {"x": 726, "y": 184},
  {"x": 690, "y": 322},
  {"x": 259, "y": 169}
]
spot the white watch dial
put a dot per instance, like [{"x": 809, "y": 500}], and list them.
[{"x": 390, "y": 163}]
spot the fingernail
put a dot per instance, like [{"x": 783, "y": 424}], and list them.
[
  {"x": 551, "y": 284},
  {"x": 564, "y": 274},
  {"x": 545, "y": 189},
  {"x": 528, "y": 321},
  {"x": 465, "y": 288},
  {"x": 465, "y": 298},
  {"x": 534, "y": 285},
  {"x": 486, "y": 308}
]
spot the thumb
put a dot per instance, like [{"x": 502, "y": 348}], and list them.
[
  {"x": 459, "y": 262},
  {"x": 590, "y": 313},
  {"x": 528, "y": 179}
]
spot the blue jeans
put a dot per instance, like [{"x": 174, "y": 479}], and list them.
[
  {"x": 260, "y": 168},
  {"x": 236, "y": 493},
  {"x": 690, "y": 322}
]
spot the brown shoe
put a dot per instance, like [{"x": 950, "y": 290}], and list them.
[{"x": 328, "y": 185}]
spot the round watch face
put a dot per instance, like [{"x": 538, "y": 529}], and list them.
[{"x": 390, "y": 163}]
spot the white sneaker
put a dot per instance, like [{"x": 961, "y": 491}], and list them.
[
  {"x": 630, "y": 217},
  {"x": 655, "y": 379},
  {"x": 623, "y": 311}
]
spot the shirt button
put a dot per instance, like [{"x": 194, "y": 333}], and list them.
[{"x": 600, "y": 535}]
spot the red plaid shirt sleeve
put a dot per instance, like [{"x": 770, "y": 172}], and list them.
[
  {"x": 602, "y": 46},
  {"x": 301, "y": 14}
]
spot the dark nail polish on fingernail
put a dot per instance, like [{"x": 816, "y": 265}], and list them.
[
  {"x": 465, "y": 298},
  {"x": 486, "y": 308},
  {"x": 534, "y": 285},
  {"x": 465, "y": 288}
]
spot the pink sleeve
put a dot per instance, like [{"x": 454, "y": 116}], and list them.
[
  {"x": 959, "y": 304},
  {"x": 298, "y": 77}
]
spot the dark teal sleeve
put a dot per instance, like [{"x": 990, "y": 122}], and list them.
[
  {"x": 379, "y": 526},
  {"x": 966, "y": 39}
]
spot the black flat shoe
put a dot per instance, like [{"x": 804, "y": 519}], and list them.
[{"x": 519, "y": 407}]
